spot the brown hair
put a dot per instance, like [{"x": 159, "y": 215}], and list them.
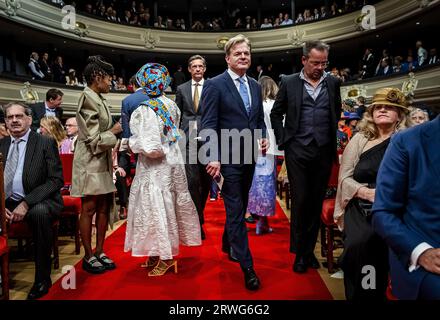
[
  {"x": 196, "y": 57},
  {"x": 53, "y": 94},
  {"x": 234, "y": 41},
  {"x": 269, "y": 88}
]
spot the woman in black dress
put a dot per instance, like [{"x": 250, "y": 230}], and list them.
[{"x": 365, "y": 256}]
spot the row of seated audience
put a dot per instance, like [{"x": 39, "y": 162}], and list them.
[
  {"x": 138, "y": 14},
  {"x": 370, "y": 66}
]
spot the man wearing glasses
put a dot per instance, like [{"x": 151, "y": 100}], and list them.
[
  {"x": 68, "y": 145},
  {"x": 310, "y": 101}
]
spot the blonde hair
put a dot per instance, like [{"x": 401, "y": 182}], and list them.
[
  {"x": 269, "y": 88},
  {"x": 54, "y": 128},
  {"x": 368, "y": 128},
  {"x": 234, "y": 41}
]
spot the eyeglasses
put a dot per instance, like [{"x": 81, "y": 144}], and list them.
[{"x": 319, "y": 63}]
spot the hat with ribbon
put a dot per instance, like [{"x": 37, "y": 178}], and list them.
[{"x": 390, "y": 97}]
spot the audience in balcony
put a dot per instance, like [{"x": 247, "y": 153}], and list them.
[
  {"x": 44, "y": 66},
  {"x": 266, "y": 24},
  {"x": 71, "y": 79},
  {"x": 34, "y": 67},
  {"x": 59, "y": 71},
  {"x": 433, "y": 58},
  {"x": 422, "y": 54}
]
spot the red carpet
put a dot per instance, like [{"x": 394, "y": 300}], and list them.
[{"x": 204, "y": 272}]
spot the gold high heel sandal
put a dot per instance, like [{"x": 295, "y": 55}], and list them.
[
  {"x": 162, "y": 267},
  {"x": 151, "y": 262}
]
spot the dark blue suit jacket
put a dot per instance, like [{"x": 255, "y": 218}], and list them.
[
  {"x": 223, "y": 108},
  {"x": 407, "y": 202},
  {"x": 129, "y": 104}
]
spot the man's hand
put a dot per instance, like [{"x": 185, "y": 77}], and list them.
[
  {"x": 366, "y": 193},
  {"x": 121, "y": 171},
  {"x": 264, "y": 145},
  {"x": 213, "y": 169},
  {"x": 117, "y": 128},
  {"x": 8, "y": 215},
  {"x": 430, "y": 260},
  {"x": 19, "y": 212}
]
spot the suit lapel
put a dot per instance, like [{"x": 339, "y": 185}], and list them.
[
  {"x": 30, "y": 149},
  {"x": 231, "y": 86},
  {"x": 254, "y": 96},
  {"x": 188, "y": 96},
  {"x": 431, "y": 142},
  {"x": 299, "y": 86},
  {"x": 4, "y": 150}
]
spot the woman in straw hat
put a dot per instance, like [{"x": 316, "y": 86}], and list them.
[
  {"x": 356, "y": 189},
  {"x": 161, "y": 213}
]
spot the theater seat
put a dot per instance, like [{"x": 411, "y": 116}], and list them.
[
  {"x": 21, "y": 231},
  {"x": 4, "y": 249},
  {"x": 72, "y": 206},
  {"x": 329, "y": 227}
]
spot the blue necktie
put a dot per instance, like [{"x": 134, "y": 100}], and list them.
[
  {"x": 11, "y": 167},
  {"x": 244, "y": 95}
]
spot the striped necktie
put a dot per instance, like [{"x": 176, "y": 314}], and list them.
[{"x": 11, "y": 167}]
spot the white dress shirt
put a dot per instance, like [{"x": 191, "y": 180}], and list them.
[{"x": 200, "y": 88}]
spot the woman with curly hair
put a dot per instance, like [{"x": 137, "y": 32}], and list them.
[
  {"x": 51, "y": 126},
  {"x": 92, "y": 164},
  {"x": 355, "y": 195}
]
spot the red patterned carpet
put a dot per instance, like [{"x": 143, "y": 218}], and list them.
[{"x": 204, "y": 272}]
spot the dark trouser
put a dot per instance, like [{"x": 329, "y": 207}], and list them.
[
  {"x": 235, "y": 193},
  {"x": 199, "y": 184},
  {"x": 40, "y": 222},
  {"x": 308, "y": 169},
  {"x": 430, "y": 287},
  {"x": 122, "y": 189},
  {"x": 364, "y": 259}
]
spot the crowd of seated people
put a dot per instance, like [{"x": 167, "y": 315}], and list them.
[
  {"x": 387, "y": 64},
  {"x": 137, "y": 13}
]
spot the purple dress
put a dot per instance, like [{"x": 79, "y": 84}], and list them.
[{"x": 262, "y": 195}]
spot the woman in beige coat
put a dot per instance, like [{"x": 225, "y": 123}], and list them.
[{"x": 92, "y": 163}]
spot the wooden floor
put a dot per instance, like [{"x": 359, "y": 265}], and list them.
[{"x": 22, "y": 272}]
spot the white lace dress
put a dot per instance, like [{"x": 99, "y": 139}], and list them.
[{"x": 161, "y": 213}]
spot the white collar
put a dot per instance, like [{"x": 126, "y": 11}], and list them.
[
  {"x": 235, "y": 76},
  {"x": 201, "y": 82}
]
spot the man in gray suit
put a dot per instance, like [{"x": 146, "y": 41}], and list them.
[
  {"x": 187, "y": 99},
  {"x": 33, "y": 180}
]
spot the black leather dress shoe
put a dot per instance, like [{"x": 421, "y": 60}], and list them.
[
  {"x": 39, "y": 290},
  {"x": 313, "y": 262},
  {"x": 300, "y": 265},
  {"x": 251, "y": 280}
]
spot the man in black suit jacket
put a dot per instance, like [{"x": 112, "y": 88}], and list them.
[
  {"x": 51, "y": 107},
  {"x": 33, "y": 179},
  {"x": 232, "y": 102},
  {"x": 188, "y": 100},
  {"x": 311, "y": 103}
]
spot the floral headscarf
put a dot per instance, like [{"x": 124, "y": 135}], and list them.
[{"x": 154, "y": 78}]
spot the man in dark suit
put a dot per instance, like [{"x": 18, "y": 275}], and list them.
[
  {"x": 50, "y": 108},
  {"x": 188, "y": 100},
  {"x": 33, "y": 179},
  {"x": 232, "y": 102},
  {"x": 406, "y": 211},
  {"x": 129, "y": 104},
  {"x": 311, "y": 103}
]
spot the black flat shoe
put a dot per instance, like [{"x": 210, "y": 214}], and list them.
[
  {"x": 39, "y": 290},
  {"x": 231, "y": 254},
  {"x": 106, "y": 261},
  {"x": 300, "y": 265},
  {"x": 93, "y": 265},
  {"x": 251, "y": 280}
]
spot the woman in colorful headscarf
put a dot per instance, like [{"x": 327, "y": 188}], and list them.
[{"x": 161, "y": 213}]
